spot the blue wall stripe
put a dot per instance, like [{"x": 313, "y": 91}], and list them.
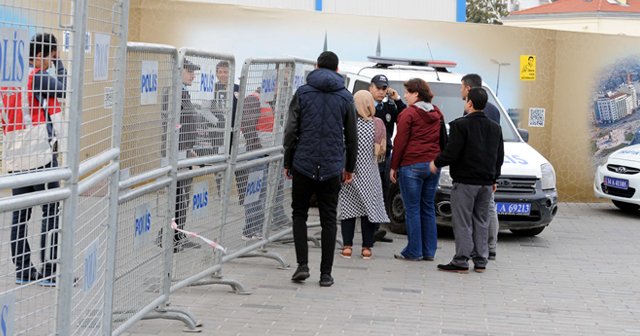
[
  {"x": 461, "y": 11},
  {"x": 319, "y": 5}
]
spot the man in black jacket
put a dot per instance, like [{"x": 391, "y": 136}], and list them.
[
  {"x": 468, "y": 82},
  {"x": 475, "y": 153},
  {"x": 321, "y": 127},
  {"x": 388, "y": 107}
]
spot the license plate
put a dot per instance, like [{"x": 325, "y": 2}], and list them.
[
  {"x": 616, "y": 183},
  {"x": 505, "y": 208}
]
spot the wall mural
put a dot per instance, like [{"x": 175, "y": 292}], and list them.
[{"x": 615, "y": 113}]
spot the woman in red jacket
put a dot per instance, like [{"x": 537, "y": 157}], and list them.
[{"x": 416, "y": 144}]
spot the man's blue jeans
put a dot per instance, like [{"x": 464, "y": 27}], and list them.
[{"x": 418, "y": 189}]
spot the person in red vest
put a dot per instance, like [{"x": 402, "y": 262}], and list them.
[
  {"x": 31, "y": 122},
  {"x": 264, "y": 124}
]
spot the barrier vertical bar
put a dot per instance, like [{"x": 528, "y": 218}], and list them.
[
  {"x": 65, "y": 281},
  {"x": 114, "y": 187}
]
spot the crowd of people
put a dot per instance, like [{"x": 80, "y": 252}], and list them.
[
  {"x": 338, "y": 147},
  {"x": 334, "y": 140}
]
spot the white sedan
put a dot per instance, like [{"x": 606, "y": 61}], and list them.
[{"x": 619, "y": 179}]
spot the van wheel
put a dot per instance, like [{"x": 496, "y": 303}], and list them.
[
  {"x": 395, "y": 210},
  {"x": 626, "y": 207},
  {"x": 528, "y": 232}
]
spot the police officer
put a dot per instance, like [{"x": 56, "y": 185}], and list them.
[{"x": 388, "y": 107}]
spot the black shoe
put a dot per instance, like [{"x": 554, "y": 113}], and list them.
[
  {"x": 187, "y": 244},
  {"x": 428, "y": 258},
  {"x": 492, "y": 256},
  {"x": 183, "y": 244},
  {"x": 326, "y": 280},
  {"x": 50, "y": 281},
  {"x": 399, "y": 256},
  {"x": 25, "y": 277},
  {"x": 301, "y": 274},
  {"x": 479, "y": 269},
  {"x": 380, "y": 236},
  {"x": 453, "y": 268}
]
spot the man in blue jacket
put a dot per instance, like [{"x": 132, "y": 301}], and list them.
[{"x": 321, "y": 127}]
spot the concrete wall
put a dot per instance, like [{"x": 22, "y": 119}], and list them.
[{"x": 570, "y": 66}]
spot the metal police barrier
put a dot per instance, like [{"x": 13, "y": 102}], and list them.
[
  {"x": 76, "y": 240},
  {"x": 280, "y": 214},
  {"x": 36, "y": 158},
  {"x": 258, "y": 209},
  {"x": 89, "y": 265},
  {"x": 204, "y": 139},
  {"x": 147, "y": 188}
]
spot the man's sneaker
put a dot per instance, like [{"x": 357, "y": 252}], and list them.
[
  {"x": 326, "y": 280},
  {"x": 189, "y": 245},
  {"x": 380, "y": 236},
  {"x": 301, "y": 274},
  {"x": 428, "y": 258},
  {"x": 257, "y": 236},
  {"x": 26, "y": 277},
  {"x": 492, "y": 256},
  {"x": 453, "y": 268},
  {"x": 399, "y": 256},
  {"x": 479, "y": 269}
]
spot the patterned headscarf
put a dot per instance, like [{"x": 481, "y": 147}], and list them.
[{"x": 365, "y": 106}]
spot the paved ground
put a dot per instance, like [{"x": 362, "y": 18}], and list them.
[{"x": 579, "y": 277}]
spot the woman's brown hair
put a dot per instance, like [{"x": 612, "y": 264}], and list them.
[{"x": 421, "y": 87}]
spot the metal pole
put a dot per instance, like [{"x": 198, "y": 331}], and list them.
[
  {"x": 67, "y": 224},
  {"x": 172, "y": 156},
  {"x": 118, "y": 112},
  {"x": 498, "y": 81}
]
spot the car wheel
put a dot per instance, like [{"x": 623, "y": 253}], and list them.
[
  {"x": 626, "y": 207},
  {"x": 395, "y": 210},
  {"x": 528, "y": 232}
]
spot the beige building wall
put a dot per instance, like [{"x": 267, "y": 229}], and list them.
[
  {"x": 569, "y": 64},
  {"x": 617, "y": 26}
]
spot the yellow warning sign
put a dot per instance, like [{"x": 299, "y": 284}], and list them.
[{"x": 527, "y": 67}]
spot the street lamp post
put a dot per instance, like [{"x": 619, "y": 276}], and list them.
[{"x": 500, "y": 64}]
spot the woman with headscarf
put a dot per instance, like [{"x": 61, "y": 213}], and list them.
[{"x": 362, "y": 198}]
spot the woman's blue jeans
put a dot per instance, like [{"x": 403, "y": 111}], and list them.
[{"x": 418, "y": 189}]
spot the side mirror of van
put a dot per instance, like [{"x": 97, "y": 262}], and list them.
[{"x": 524, "y": 134}]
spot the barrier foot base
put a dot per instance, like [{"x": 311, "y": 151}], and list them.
[
  {"x": 236, "y": 286},
  {"x": 192, "y": 325},
  {"x": 269, "y": 255}
]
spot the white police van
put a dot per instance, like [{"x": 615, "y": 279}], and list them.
[
  {"x": 619, "y": 179},
  {"x": 526, "y": 198}
]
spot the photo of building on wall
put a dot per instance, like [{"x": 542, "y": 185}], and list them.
[{"x": 615, "y": 114}]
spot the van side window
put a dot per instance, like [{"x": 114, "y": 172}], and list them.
[{"x": 360, "y": 85}]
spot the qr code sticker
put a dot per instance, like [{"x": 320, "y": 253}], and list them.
[
  {"x": 536, "y": 117},
  {"x": 108, "y": 97}
]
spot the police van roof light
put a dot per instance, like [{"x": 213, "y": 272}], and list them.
[{"x": 389, "y": 61}]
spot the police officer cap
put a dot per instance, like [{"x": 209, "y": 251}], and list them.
[
  {"x": 380, "y": 80},
  {"x": 188, "y": 65}
]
